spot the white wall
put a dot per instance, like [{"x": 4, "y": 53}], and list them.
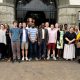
[
  {"x": 1, "y": 1},
  {"x": 74, "y": 2}
]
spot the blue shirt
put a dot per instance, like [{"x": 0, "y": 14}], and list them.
[
  {"x": 33, "y": 33},
  {"x": 15, "y": 34}
]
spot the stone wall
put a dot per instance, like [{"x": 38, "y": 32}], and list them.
[
  {"x": 68, "y": 13},
  {"x": 7, "y": 13}
]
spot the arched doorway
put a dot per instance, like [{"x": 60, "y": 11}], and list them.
[
  {"x": 39, "y": 16},
  {"x": 41, "y": 10}
]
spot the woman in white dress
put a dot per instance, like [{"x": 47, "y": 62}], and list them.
[{"x": 69, "y": 44}]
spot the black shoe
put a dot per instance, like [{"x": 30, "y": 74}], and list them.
[
  {"x": 19, "y": 60},
  {"x": 79, "y": 61},
  {"x": 14, "y": 60}
]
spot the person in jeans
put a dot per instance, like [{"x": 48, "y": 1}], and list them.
[
  {"x": 33, "y": 35},
  {"x": 42, "y": 41},
  {"x": 15, "y": 41},
  {"x": 24, "y": 41}
]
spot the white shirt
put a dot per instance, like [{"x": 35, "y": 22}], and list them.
[
  {"x": 43, "y": 33},
  {"x": 24, "y": 35},
  {"x": 27, "y": 28},
  {"x": 2, "y": 36}
]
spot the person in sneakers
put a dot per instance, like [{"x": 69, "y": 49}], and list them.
[
  {"x": 15, "y": 41},
  {"x": 42, "y": 41},
  {"x": 24, "y": 41},
  {"x": 52, "y": 42},
  {"x": 33, "y": 36}
]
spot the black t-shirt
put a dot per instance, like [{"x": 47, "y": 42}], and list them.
[{"x": 70, "y": 36}]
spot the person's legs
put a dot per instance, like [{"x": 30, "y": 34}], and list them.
[
  {"x": 14, "y": 50},
  {"x": 26, "y": 54},
  {"x": 43, "y": 49},
  {"x": 48, "y": 54},
  {"x": 39, "y": 51},
  {"x": 35, "y": 50},
  {"x": 54, "y": 55},
  {"x": 53, "y": 49},
  {"x": 22, "y": 47},
  {"x": 58, "y": 53},
  {"x": 79, "y": 55},
  {"x": 22, "y": 54},
  {"x": 18, "y": 49},
  {"x": 1, "y": 50},
  {"x": 31, "y": 51},
  {"x": 26, "y": 50},
  {"x": 9, "y": 51}
]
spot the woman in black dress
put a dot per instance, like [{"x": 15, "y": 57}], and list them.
[{"x": 8, "y": 43}]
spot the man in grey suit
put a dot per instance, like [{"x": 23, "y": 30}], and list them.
[{"x": 42, "y": 41}]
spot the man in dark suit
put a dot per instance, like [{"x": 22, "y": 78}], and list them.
[{"x": 42, "y": 41}]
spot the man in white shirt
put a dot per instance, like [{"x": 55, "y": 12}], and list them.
[{"x": 42, "y": 41}]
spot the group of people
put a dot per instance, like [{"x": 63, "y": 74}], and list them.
[{"x": 26, "y": 41}]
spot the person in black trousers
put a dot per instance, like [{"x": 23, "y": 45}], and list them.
[{"x": 8, "y": 43}]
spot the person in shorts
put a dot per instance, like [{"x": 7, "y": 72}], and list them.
[
  {"x": 24, "y": 42},
  {"x": 52, "y": 42}
]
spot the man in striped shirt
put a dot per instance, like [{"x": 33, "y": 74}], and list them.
[{"x": 33, "y": 34}]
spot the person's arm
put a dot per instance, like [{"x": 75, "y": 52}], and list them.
[
  {"x": 4, "y": 38},
  {"x": 74, "y": 39},
  {"x": 36, "y": 35},
  {"x": 67, "y": 39},
  {"x": 10, "y": 33},
  {"x": 58, "y": 35},
  {"x": 29, "y": 36},
  {"x": 47, "y": 36},
  {"x": 78, "y": 37}
]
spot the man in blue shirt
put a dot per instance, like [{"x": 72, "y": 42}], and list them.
[{"x": 15, "y": 41}]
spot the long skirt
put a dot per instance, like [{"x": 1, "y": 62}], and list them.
[{"x": 69, "y": 51}]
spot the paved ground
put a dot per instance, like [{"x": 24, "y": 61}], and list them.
[{"x": 40, "y": 70}]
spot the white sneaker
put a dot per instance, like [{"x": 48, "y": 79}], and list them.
[
  {"x": 36, "y": 59},
  {"x": 30, "y": 59},
  {"x": 54, "y": 58},
  {"x": 22, "y": 58},
  {"x": 26, "y": 59},
  {"x": 48, "y": 58}
]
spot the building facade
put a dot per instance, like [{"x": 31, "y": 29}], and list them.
[{"x": 62, "y": 11}]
